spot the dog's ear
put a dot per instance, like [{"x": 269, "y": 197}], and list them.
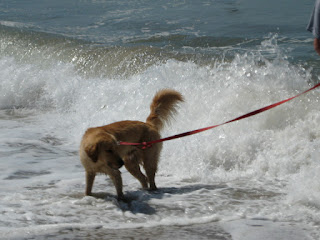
[
  {"x": 114, "y": 140},
  {"x": 103, "y": 141},
  {"x": 93, "y": 152}
]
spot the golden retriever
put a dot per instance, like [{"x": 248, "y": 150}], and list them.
[{"x": 100, "y": 152}]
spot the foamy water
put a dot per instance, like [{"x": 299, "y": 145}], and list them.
[
  {"x": 255, "y": 178},
  {"x": 265, "y": 166}
]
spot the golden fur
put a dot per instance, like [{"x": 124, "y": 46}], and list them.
[{"x": 100, "y": 153}]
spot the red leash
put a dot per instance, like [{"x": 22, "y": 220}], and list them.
[{"x": 149, "y": 144}]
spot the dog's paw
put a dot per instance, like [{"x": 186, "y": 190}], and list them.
[
  {"x": 122, "y": 199},
  {"x": 152, "y": 189}
]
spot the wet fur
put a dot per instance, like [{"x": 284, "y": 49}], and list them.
[{"x": 100, "y": 153}]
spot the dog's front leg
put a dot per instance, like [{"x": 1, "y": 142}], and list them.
[
  {"x": 89, "y": 182},
  {"x": 116, "y": 178}
]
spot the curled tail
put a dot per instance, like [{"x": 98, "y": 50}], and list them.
[{"x": 163, "y": 107}]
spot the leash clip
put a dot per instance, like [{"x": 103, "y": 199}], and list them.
[{"x": 146, "y": 145}]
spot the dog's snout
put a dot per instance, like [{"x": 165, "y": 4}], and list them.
[
  {"x": 120, "y": 162},
  {"x": 116, "y": 163}
]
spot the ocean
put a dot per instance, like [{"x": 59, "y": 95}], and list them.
[{"x": 69, "y": 65}]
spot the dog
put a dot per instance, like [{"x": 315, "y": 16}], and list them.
[{"x": 100, "y": 152}]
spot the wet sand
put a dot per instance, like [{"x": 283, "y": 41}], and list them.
[
  {"x": 198, "y": 232},
  {"x": 242, "y": 229}
]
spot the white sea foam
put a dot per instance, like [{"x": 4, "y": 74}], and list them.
[
  {"x": 14, "y": 24},
  {"x": 263, "y": 166}
]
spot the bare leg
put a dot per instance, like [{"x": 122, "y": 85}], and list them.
[
  {"x": 151, "y": 173},
  {"x": 150, "y": 165},
  {"x": 89, "y": 182},
  {"x": 115, "y": 176},
  {"x": 131, "y": 163},
  {"x": 134, "y": 169}
]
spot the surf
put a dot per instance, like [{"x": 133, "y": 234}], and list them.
[{"x": 53, "y": 88}]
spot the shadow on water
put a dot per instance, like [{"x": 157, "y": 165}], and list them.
[{"x": 138, "y": 201}]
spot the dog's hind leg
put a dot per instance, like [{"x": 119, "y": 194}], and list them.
[
  {"x": 151, "y": 173},
  {"x": 90, "y": 176},
  {"x": 131, "y": 162},
  {"x": 150, "y": 164}
]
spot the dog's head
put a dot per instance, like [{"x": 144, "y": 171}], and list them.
[
  {"x": 110, "y": 147},
  {"x": 104, "y": 146},
  {"x": 114, "y": 161}
]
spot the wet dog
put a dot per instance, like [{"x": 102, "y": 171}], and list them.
[{"x": 100, "y": 152}]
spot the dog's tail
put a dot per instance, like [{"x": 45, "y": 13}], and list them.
[{"x": 163, "y": 107}]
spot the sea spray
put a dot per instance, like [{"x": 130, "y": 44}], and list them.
[{"x": 254, "y": 167}]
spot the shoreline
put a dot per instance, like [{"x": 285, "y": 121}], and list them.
[{"x": 242, "y": 229}]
